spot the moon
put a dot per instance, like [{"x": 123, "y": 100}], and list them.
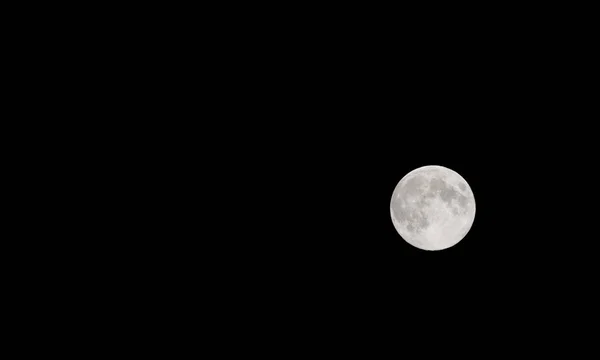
[{"x": 432, "y": 208}]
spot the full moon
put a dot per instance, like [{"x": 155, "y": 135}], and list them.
[{"x": 432, "y": 208}]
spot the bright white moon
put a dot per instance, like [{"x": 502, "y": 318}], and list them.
[{"x": 432, "y": 208}]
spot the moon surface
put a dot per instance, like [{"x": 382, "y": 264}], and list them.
[{"x": 432, "y": 208}]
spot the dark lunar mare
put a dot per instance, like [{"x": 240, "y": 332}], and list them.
[{"x": 449, "y": 193}]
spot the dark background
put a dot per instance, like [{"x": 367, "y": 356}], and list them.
[
  {"x": 247, "y": 163},
  {"x": 330, "y": 125},
  {"x": 271, "y": 149},
  {"x": 258, "y": 155}
]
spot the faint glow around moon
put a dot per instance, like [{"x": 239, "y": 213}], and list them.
[{"x": 432, "y": 208}]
